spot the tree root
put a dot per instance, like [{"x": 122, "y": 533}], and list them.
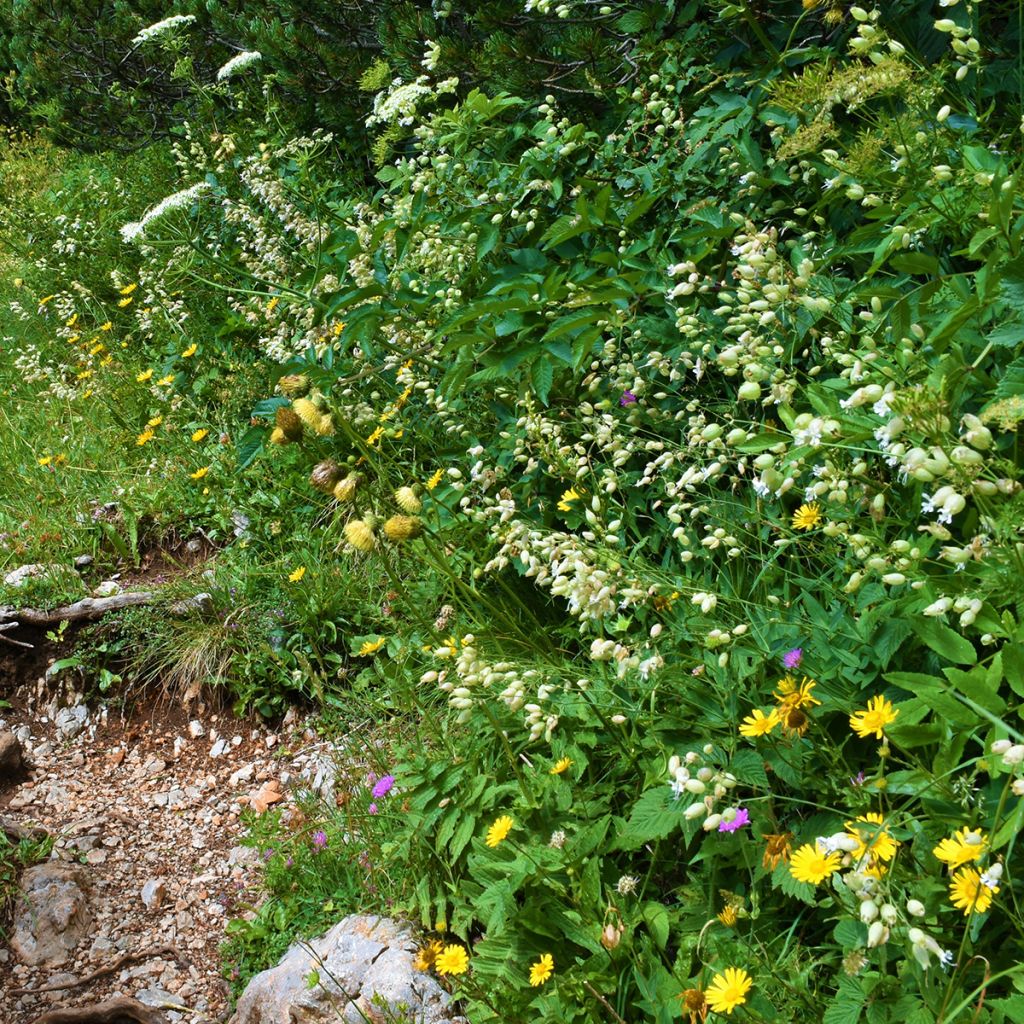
[
  {"x": 128, "y": 958},
  {"x": 87, "y": 608},
  {"x": 113, "y": 1011}
]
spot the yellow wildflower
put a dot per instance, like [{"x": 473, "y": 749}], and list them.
[
  {"x": 878, "y": 714},
  {"x": 377, "y": 434},
  {"x": 728, "y": 916},
  {"x": 144, "y": 376},
  {"x": 541, "y": 970},
  {"x": 790, "y": 693},
  {"x": 969, "y": 893},
  {"x": 965, "y": 845},
  {"x": 563, "y": 764},
  {"x": 190, "y": 351},
  {"x": 125, "y": 302},
  {"x": 200, "y": 473},
  {"x": 272, "y": 304},
  {"x": 128, "y": 289},
  {"x": 164, "y": 381},
  {"x": 759, "y": 724},
  {"x": 807, "y": 517},
  {"x": 568, "y": 497},
  {"x": 200, "y": 434},
  {"x": 728, "y": 990},
  {"x": 108, "y": 326},
  {"x": 452, "y": 960},
  {"x": 435, "y": 479},
  {"x": 156, "y": 421},
  {"x": 45, "y": 460},
  {"x": 499, "y": 830},
  {"x": 297, "y": 575},
  {"x": 371, "y": 647},
  {"x": 146, "y": 436},
  {"x": 427, "y": 955},
  {"x": 811, "y": 864}
]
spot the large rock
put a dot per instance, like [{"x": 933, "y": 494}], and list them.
[
  {"x": 10, "y": 756},
  {"x": 51, "y": 915},
  {"x": 366, "y": 973}
]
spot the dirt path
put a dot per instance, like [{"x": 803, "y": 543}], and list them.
[{"x": 144, "y": 808}]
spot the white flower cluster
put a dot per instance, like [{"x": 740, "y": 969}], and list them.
[
  {"x": 1012, "y": 756},
  {"x": 514, "y": 685},
  {"x": 239, "y": 63},
  {"x": 163, "y": 28},
  {"x": 399, "y": 104},
  {"x": 692, "y": 775},
  {"x": 565, "y": 566},
  {"x": 179, "y": 200}
]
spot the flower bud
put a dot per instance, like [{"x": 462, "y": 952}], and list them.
[
  {"x": 878, "y": 934},
  {"x": 916, "y": 909}
]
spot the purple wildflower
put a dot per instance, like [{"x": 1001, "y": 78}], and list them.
[
  {"x": 742, "y": 818},
  {"x": 791, "y": 659},
  {"x": 319, "y": 839},
  {"x": 372, "y": 808},
  {"x": 858, "y": 779},
  {"x": 383, "y": 787},
  {"x": 628, "y": 398}
]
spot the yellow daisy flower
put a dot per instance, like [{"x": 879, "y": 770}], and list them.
[
  {"x": 807, "y": 517},
  {"x": 371, "y": 647},
  {"x": 963, "y": 847},
  {"x": 568, "y": 497},
  {"x": 728, "y": 990},
  {"x": 562, "y": 765},
  {"x": 435, "y": 479},
  {"x": 190, "y": 351},
  {"x": 499, "y": 830},
  {"x": 872, "y": 841},
  {"x": 200, "y": 434},
  {"x": 542, "y": 970},
  {"x": 759, "y": 724},
  {"x": 200, "y": 473},
  {"x": 452, "y": 960},
  {"x": 790, "y": 693},
  {"x": 968, "y": 893},
  {"x": 810, "y": 864},
  {"x": 146, "y": 436},
  {"x": 144, "y": 376},
  {"x": 873, "y": 719},
  {"x": 297, "y": 575}
]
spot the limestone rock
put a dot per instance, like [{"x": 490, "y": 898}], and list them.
[
  {"x": 11, "y": 762},
  {"x": 365, "y": 967},
  {"x": 51, "y": 917}
]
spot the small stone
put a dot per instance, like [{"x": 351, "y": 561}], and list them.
[
  {"x": 218, "y": 748},
  {"x": 196, "y": 730},
  {"x": 108, "y": 588},
  {"x": 115, "y": 757},
  {"x": 71, "y": 721},
  {"x": 269, "y": 793},
  {"x": 155, "y": 765},
  {"x": 96, "y": 857},
  {"x": 242, "y": 775},
  {"x": 83, "y": 561},
  {"x": 154, "y": 892},
  {"x": 271, "y": 741}
]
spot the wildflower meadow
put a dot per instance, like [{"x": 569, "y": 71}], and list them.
[{"x": 607, "y": 414}]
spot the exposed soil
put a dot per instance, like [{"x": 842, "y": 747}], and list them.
[{"x": 136, "y": 797}]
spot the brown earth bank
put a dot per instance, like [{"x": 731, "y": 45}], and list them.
[{"x": 145, "y": 806}]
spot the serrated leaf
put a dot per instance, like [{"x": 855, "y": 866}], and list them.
[
  {"x": 944, "y": 641},
  {"x": 655, "y": 815},
  {"x": 542, "y": 375}
]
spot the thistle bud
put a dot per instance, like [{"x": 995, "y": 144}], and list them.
[
  {"x": 294, "y": 385},
  {"x": 325, "y": 475},
  {"x": 611, "y": 935},
  {"x": 307, "y": 412},
  {"x": 359, "y": 534},
  {"x": 399, "y": 528},
  {"x": 289, "y": 424},
  {"x": 408, "y": 501},
  {"x": 345, "y": 490}
]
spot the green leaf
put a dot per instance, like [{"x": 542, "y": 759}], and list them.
[
  {"x": 655, "y": 815},
  {"x": 941, "y": 639},
  {"x": 542, "y": 375},
  {"x": 1013, "y": 667},
  {"x": 847, "y": 1005},
  {"x": 656, "y": 918}
]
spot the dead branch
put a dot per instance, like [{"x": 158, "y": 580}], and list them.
[
  {"x": 113, "y": 1011},
  {"x": 87, "y": 608},
  {"x": 128, "y": 958},
  {"x": 16, "y": 832}
]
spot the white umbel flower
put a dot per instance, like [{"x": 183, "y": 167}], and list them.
[
  {"x": 163, "y": 28},
  {"x": 239, "y": 63}
]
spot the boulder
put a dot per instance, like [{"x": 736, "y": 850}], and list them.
[
  {"x": 51, "y": 917},
  {"x": 366, "y": 973},
  {"x": 11, "y": 761}
]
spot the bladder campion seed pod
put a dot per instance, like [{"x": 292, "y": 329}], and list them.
[
  {"x": 325, "y": 475},
  {"x": 399, "y": 528}
]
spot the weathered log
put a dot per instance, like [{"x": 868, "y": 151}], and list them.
[{"x": 86, "y": 609}]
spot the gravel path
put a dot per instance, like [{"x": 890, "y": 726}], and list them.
[{"x": 153, "y": 820}]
